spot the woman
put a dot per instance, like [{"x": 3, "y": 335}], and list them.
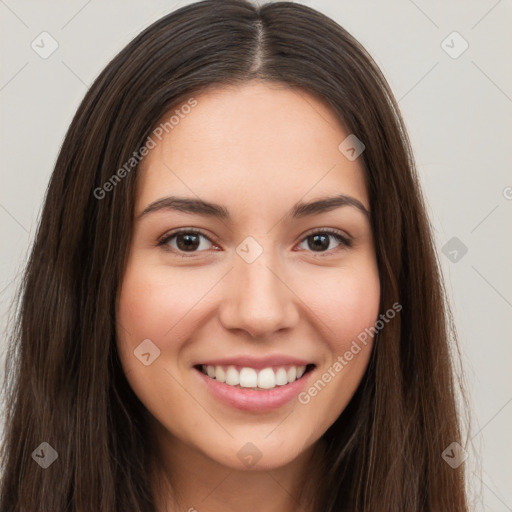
[{"x": 233, "y": 300}]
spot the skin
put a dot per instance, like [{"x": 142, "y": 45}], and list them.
[{"x": 256, "y": 149}]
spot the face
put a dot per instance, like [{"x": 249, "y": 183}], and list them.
[{"x": 240, "y": 333}]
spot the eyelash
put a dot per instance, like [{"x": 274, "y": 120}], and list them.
[{"x": 345, "y": 242}]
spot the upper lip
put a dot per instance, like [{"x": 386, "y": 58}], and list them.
[{"x": 256, "y": 362}]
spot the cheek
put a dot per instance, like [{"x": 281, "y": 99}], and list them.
[
  {"x": 349, "y": 308},
  {"x": 348, "y": 304},
  {"x": 355, "y": 309},
  {"x": 154, "y": 304}
]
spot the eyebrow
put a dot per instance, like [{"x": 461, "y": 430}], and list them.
[{"x": 299, "y": 210}]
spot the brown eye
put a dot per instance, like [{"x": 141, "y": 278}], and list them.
[
  {"x": 321, "y": 241},
  {"x": 185, "y": 241}
]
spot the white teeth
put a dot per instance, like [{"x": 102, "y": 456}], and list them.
[
  {"x": 291, "y": 373},
  {"x": 232, "y": 376},
  {"x": 267, "y": 378},
  {"x": 220, "y": 374},
  {"x": 248, "y": 378},
  {"x": 281, "y": 377}
]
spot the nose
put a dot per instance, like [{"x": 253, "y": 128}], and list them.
[{"x": 258, "y": 299}]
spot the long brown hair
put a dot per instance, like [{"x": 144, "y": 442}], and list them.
[{"x": 64, "y": 383}]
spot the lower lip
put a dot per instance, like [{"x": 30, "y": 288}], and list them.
[{"x": 254, "y": 400}]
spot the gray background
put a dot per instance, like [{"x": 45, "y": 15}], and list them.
[{"x": 458, "y": 112}]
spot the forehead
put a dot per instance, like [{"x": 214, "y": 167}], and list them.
[{"x": 256, "y": 142}]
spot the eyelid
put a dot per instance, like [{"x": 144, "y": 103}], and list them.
[{"x": 331, "y": 231}]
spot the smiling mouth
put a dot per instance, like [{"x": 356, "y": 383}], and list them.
[{"x": 251, "y": 378}]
